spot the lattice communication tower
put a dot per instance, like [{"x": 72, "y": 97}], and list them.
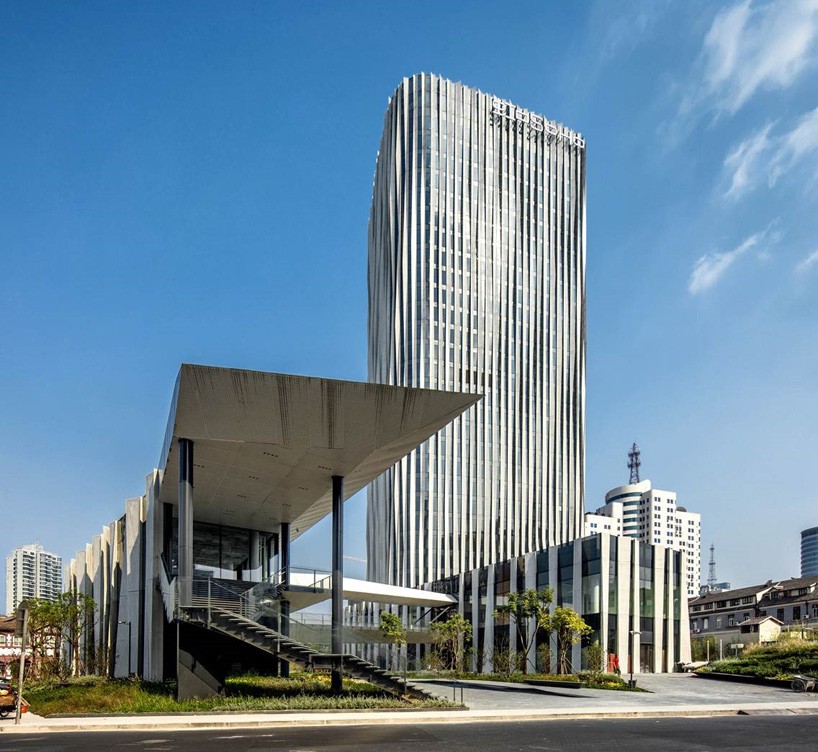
[
  {"x": 634, "y": 463},
  {"x": 711, "y": 573}
]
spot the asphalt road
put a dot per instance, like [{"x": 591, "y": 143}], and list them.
[{"x": 739, "y": 733}]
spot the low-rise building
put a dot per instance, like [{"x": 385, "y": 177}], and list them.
[
  {"x": 760, "y": 629},
  {"x": 729, "y": 616},
  {"x": 9, "y": 645},
  {"x": 794, "y": 602},
  {"x": 630, "y": 593},
  {"x": 193, "y": 581}
]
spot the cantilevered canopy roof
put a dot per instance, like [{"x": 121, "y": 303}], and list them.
[
  {"x": 266, "y": 445},
  {"x": 307, "y": 589}
]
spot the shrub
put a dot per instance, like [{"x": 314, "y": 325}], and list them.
[{"x": 777, "y": 661}]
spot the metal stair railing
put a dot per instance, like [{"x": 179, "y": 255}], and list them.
[
  {"x": 270, "y": 640},
  {"x": 236, "y": 611}
]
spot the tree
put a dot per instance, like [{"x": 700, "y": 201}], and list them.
[
  {"x": 570, "y": 628},
  {"x": 703, "y": 648},
  {"x": 595, "y": 657},
  {"x": 53, "y": 624},
  {"x": 44, "y": 637},
  {"x": 76, "y": 612},
  {"x": 392, "y": 628},
  {"x": 448, "y": 639},
  {"x": 521, "y": 608}
]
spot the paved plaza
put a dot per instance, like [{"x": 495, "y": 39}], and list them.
[{"x": 675, "y": 690}]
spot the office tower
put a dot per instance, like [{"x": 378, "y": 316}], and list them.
[
  {"x": 809, "y": 551},
  {"x": 32, "y": 572},
  {"x": 476, "y": 275},
  {"x": 638, "y": 510}
]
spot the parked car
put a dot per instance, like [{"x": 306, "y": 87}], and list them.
[{"x": 8, "y": 699}]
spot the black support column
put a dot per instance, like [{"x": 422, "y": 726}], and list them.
[
  {"x": 185, "y": 537},
  {"x": 284, "y": 560},
  {"x": 337, "y": 577}
]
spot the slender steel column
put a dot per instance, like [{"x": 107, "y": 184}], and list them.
[
  {"x": 284, "y": 553},
  {"x": 254, "y": 556},
  {"x": 284, "y": 560},
  {"x": 337, "y": 576},
  {"x": 185, "y": 537}
]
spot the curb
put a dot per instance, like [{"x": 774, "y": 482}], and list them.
[{"x": 149, "y": 723}]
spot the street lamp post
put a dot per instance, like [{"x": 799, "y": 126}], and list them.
[
  {"x": 633, "y": 632},
  {"x": 22, "y": 618},
  {"x": 129, "y": 644}
]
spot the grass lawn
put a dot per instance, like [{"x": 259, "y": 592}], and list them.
[
  {"x": 301, "y": 692},
  {"x": 777, "y": 661}
]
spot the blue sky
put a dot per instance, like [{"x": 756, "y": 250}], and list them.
[{"x": 190, "y": 182}]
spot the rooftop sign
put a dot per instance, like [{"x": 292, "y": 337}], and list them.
[{"x": 537, "y": 123}]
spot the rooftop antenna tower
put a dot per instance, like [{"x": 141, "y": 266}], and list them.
[
  {"x": 634, "y": 463},
  {"x": 711, "y": 574}
]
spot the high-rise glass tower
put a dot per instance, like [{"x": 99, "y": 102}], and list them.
[
  {"x": 477, "y": 283},
  {"x": 809, "y": 551}
]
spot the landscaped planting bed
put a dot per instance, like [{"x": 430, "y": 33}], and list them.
[{"x": 97, "y": 695}]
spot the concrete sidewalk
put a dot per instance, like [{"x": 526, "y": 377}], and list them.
[{"x": 671, "y": 695}]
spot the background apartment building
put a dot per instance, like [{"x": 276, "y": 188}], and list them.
[
  {"x": 32, "y": 572},
  {"x": 477, "y": 284},
  {"x": 651, "y": 515}
]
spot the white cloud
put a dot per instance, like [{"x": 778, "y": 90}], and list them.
[
  {"x": 710, "y": 268},
  {"x": 625, "y": 28},
  {"x": 761, "y": 154},
  {"x": 794, "y": 146},
  {"x": 752, "y": 46},
  {"x": 743, "y": 162},
  {"x": 807, "y": 263}
]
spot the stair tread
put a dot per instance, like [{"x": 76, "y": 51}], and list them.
[{"x": 247, "y": 630}]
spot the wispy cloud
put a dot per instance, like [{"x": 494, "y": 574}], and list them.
[
  {"x": 711, "y": 267},
  {"x": 751, "y": 46},
  {"x": 743, "y": 161},
  {"x": 794, "y": 146},
  {"x": 626, "y": 27},
  {"x": 806, "y": 264},
  {"x": 763, "y": 155},
  {"x": 358, "y": 559}
]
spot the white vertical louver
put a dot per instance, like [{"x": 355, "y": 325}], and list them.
[{"x": 477, "y": 284}]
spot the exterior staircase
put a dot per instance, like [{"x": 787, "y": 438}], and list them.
[{"x": 227, "y": 622}]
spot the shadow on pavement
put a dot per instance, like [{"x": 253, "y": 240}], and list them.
[{"x": 515, "y": 688}]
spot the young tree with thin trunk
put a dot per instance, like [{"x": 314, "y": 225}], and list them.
[
  {"x": 393, "y": 629},
  {"x": 521, "y": 608},
  {"x": 570, "y": 628},
  {"x": 448, "y": 638}
]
